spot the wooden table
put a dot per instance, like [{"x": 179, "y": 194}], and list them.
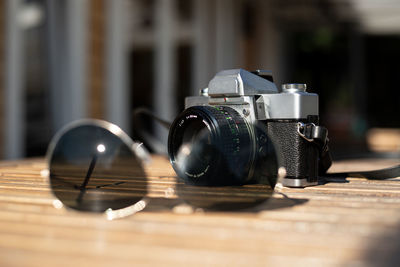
[{"x": 352, "y": 221}]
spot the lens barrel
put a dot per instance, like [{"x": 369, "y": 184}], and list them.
[{"x": 211, "y": 145}]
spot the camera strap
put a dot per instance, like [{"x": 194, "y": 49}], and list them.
[
  {"x": 151, "y": 141},
  {"x": 318, "y": 135}
]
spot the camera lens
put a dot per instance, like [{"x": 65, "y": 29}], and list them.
[{"x": 211, "y": 145}]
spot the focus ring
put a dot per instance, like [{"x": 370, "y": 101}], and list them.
[{"x": 233, "y": 137}]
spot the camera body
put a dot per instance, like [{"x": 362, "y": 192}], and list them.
[{"x": 288, "y": 116}]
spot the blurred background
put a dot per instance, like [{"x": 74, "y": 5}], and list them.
[{"x": 65, "y": 60}]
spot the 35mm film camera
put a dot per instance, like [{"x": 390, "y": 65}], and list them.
[{"x": 243, "y": 129}]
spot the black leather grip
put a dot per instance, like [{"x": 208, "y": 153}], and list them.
[{"x": 300, "y": 157}]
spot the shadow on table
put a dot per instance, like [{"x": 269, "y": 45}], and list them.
[
  {"x": 384, "y": 251},
  {"x": 227, "y": 205}
]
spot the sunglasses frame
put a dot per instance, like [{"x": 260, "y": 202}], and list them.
[{"x": 137, "y": 149}]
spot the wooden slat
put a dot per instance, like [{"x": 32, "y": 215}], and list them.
[{"x": 342, "y": 222}]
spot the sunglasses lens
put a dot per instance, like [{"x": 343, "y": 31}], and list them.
[
  {"x": 93, "y": 168},
  {"x": 212, "y": 178}
]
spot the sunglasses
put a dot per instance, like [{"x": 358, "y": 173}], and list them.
[{"x": 95, "y": 166}]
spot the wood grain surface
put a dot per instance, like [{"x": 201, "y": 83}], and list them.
[{"x": 352, "y": 221}]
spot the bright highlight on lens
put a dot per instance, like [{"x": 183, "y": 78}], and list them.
[
  {"x": 185, "y": 150},
  {"x": 101, "y": 148}
]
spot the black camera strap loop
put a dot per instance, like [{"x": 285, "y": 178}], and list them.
[{"x": 318, "y": 135}]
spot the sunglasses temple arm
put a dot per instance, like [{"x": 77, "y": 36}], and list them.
[{"x": 87, "y": 178}]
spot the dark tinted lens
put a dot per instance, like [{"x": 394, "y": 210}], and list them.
[
  {"x": 258, "y": 188},
  {"x": 195, "y": 152},
  {"x": 93, "y": 169}
]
